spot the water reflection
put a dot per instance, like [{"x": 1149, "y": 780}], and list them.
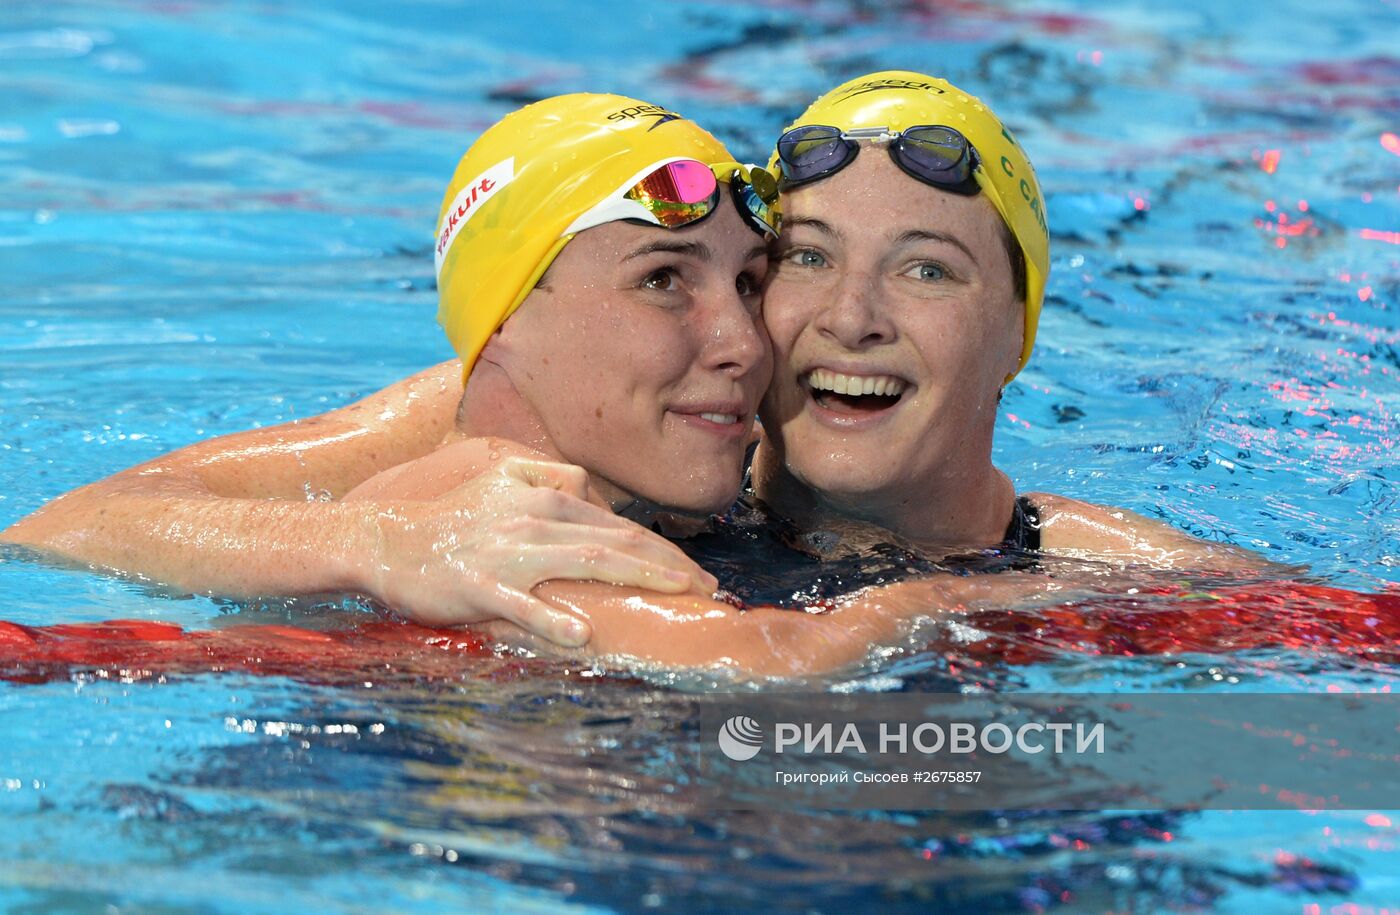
[{"x": 574, "y": 787}]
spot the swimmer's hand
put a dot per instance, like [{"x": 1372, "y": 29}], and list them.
[{"x": 476, "y": 551}]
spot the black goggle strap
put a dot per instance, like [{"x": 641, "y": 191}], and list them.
[{"x": 755, "y": 193}]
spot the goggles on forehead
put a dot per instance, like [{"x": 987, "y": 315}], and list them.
[
  {"x": 680, "y": 192},
  {"x": 931, "y": 153}
]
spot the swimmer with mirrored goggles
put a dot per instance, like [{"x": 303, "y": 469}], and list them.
[
  {"x": 458, "y": 530},
  {"x": 614, "y": 250}
]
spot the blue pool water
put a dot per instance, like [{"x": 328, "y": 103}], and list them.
[{"x": 215, "y": 216}]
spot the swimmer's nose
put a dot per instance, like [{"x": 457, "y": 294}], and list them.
[
  {"x": 855, "y": 318},
  {"x": 736, "y": 340}
]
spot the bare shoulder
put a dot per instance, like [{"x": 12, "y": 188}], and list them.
[
  {"x": 332, "y": 451},
  {"x": 440, "y": 471},
  {"x": 425, "y": 402},
  {"x": 1069, "y": 520},
  {"x": 1073, "y": 524},
  {"x": 1086, "y": 530}
]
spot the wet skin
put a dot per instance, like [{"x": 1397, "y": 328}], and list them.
[
  {"x": 888, "y": 281},
  {"x": 646, "y": 332},
  {"x": 904, "y": 292},
  {"x": 610, "y": 366},
  {"x": 642, "y": 358}
]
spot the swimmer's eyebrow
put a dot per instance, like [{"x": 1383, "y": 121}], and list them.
[
  {"x": 904, "y": 238},
  {"x": 929, "y": 235},
  {"x": 695, "y": 249},
  {"x": 792, "y": 222},
  {"x": 757, "y": 251}
]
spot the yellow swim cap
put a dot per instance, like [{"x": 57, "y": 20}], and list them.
[
  {"x": 524, "y": 182},
  {"x": 900, "y": 99}
]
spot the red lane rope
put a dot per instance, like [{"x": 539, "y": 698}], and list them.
[
  {"x": 139, "y": 649},
  {"x": 1278, "y": 615},
  {"x": 1159, "y": 621}
]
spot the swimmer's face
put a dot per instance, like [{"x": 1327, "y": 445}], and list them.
[
  {"x": 883, "y": 281},
  {"x": 645, "y": 357}
]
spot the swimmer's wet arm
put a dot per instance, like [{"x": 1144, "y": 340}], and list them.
[
  {"x": 457, "y": 536},
  {"x": 188, "y": 542},
  {"x": 328, "y": 454},
  {"x": 1082, "y": 529},
  {"x": 698, "y": 632},
  {"x": 691, "y": 631},
  {"x": 236, "y": 515}
]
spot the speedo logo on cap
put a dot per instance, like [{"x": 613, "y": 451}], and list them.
[
  {"x": 656, "y": 113},
  {"x": 468, "y": 200},
  {"x": 875, "y": 85}
]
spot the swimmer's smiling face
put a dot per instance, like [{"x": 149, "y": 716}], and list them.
[
  {"x": 644, "y": 357},
  {"x": 894, "y": 320}
]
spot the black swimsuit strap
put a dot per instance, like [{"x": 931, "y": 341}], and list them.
[
  {"x": 762, "y": 558},
  {"x": 1023, "y": 533}
]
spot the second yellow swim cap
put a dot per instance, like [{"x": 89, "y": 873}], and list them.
[
  {"x": 899, "y": 99},
  {"x": 524, "y": 182}
]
